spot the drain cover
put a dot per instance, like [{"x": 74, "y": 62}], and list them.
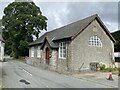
[
  {"x": 27, "y": 83},
  {"x": 24, "y": 81}
]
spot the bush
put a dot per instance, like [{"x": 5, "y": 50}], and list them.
[
  {"x": 114, "y": 70},
  {"x": 12, "y": 54},
  {"x": 102, "y": 67}
]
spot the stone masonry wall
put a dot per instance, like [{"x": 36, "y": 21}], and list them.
[{"x": 82, "y": 54}]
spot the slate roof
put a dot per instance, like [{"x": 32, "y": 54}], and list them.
[{"x": 68, "y": 31}]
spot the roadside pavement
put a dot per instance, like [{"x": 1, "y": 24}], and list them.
[{"x": 99, "y": 77}]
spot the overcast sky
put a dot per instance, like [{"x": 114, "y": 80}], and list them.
[{"x": 62, "y": 13}]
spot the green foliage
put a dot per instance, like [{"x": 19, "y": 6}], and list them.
[
  {"x": 117, "y": 59},
  {"x": 102, "y": 66},
  {"x": 108, "y": 69},
  {"x": 21, "y": 21},
  {"x": 116, "y": 35},
  {"x": 117, "y": 46}
]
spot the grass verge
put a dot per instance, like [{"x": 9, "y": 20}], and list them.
[
  {"x": 114, "y": 70},
  {"x": 21, "y": 59}
]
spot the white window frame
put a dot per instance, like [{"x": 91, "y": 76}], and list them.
[
  {"x": 38, "y": 52},
  {"x": 32, "y": 52},
  {"x": 95, "y": 41},
  {"x": 62, "y": 50}
]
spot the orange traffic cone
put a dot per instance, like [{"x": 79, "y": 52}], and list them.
[{"x": 110, "y": 76}]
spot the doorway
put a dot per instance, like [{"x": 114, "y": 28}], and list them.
[{"x": 47, "y": 55}]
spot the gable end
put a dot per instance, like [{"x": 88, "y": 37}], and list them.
[{"x": 101, "y": 24}]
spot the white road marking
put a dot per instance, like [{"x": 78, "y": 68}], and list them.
[{"x": 27, "y": 72}]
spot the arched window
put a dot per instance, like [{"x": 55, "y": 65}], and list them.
[{"x": 95, "y": 41}]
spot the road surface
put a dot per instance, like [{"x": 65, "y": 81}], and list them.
[{"x": 20, "y": 75}]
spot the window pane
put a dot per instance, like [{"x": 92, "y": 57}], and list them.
[
  {"x": 95, "y": 41},
  {"x": 64, "y": 55},
  {"x": 60, "y": 45},
  {"x": 64, "y": 47},
  {"x": 60, "y": 54},
  {"x": 62, "y": 50},
  {"x": 32, "y": 52},
  {"x": 38, "y": 52}
]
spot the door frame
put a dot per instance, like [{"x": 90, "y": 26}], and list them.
[{"x": 47, "y": 53}]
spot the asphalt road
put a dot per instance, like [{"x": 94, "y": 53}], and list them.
[
  {"x": 0, "y": 75},
  {"x": 20, "y": 75}
]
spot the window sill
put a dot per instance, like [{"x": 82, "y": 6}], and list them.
[
  {"x": 38, "y": 57},
  {"x": 61, "y": 58},
  {"x": 94, "y": 46}
]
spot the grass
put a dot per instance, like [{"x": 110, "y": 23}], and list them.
[
  {"x": 21, "y": 59},
  {"x": 114, "y": 70}
]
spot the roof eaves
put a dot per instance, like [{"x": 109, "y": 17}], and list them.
[
  {"x": 34, "y": 44},
  {"x": 106, "y": 30},
  {"x": 37, "y": 41},
  {"x": 62, "y": 38}
]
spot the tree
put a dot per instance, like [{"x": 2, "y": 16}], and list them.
[
  {"x": 116, "y": 35},
  {"x": 21, "y": 21},
  {"x": 117, "y": 46}
]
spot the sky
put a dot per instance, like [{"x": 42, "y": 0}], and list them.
[{"x": 63, "y": 12}]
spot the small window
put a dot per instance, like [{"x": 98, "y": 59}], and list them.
[
  {"x": 38, "y": 52},
  {"x": 62, "y": 50},
  {"x": 32, "y": 52},
  {"x": 95, "y": 41}
]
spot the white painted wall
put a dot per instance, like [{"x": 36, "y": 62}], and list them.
[
  {"x": 2, "y": 50},
  {"x": 117, "y": 54}
]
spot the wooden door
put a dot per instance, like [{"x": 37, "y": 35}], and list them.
[{"x": 47, "y": 55}]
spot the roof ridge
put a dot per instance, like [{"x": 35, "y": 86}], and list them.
[
  {"x": 89, "y": 18},
  {"x": 94, "y": 15}
]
